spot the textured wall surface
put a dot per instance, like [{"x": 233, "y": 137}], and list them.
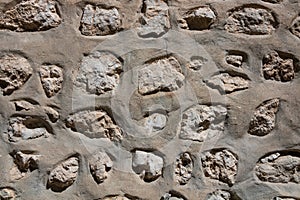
[{"x": 150, "y": 99}]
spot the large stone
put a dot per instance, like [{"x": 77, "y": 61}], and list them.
[
  {"x": 163, "y": 74},
  {"x": 51, "y": 79},
  {"x": 15, "y": 70},
  {"x": 264, "y": 118},
  {"x": 100, "y": 165},
  {"x": 202, "y": 121},
  {"x": 100, "y": 21},
  {"x": 31, "y": 15},
  {"x": 221, "y": 165},
  {"x": 219, "y": 195},
  {"x": 183, "y": 168}
]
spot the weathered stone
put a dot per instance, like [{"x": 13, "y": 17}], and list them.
[
  {"x": 295, "y": 27},
  {"x": 7, "y": 194},
  {"x": 198, "y": 19},
  {"x": 51, "y": 113},
  {"x": 31, "y": 15},
  {"x": 155, "y": 122},
  {"x": 278, "y": 69},
  {"x": 100, "y": 165},
  {"x": 221, "y": 165},
  {"x": 263, "y": 120},
  {"x": 95, "y": 124},
  {"x": 202, "y": 121},
  {"x": 278, "y": 168},
  {"x": 224, "y": 82},
  {"x": 172, "y": 196},
  {"x": 155, "y": 18},
  {"x": 15, "y": 70},
  {"x": 25, "y": 128},
  {"x": 99, "y": 73},
  {"x": 147, "y": 165},
  {"x": 273, "y": 1},
  {"x": 23, "y": 105},
  {"x": 219, "y": 195},
  {"x": 234, "y": 60},
  {"x": 251, "y": 20},
  {"x": 100, "y": 21},
  {"x": 183, "y": 168},
  {"x": 63, "y": 175},
  {"x": 196, "y": 63},
  {"x": 51, "y": 79},
  {"x": 163, "y": 74}
]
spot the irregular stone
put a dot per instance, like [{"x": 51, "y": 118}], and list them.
[
  {"x": 198, "y": 19},
  {"x": 63, "y": 175},
  {"x": 100, "y": 21},
  {"x": 162, "y": 74},
  {"x": 278, "y": 69},
  {"x": 26, "y": 128},
  {"x": 99, "y": 73},
  {"x": 219, "y": 195},
  {"x": 220, "y": 165},
  {"x": 7, "y": 194},
  {"x": 295, "y": 27},
  {"x": 278, "y": 168},
  {"x": 94, "y": 124},
  {"x": 172, "y": 196},
  {"x": 100, "y": 165},
  {"x": 183, "y": 168},
  {"x": 15, "y": 70},
  {"x": 23, "y": 105},
  {"x": 224, "y": 82},
  {"x": 51, "y": 79},
  {"x": 251, "y": 20},
  {"x": 202, "y": 121},
  {"x": 155, "y": 122},
  {"x": 51, "y": 113},
  {"x": 31, "y": 15},
  {"x": 196, "y": 63},
  {"x": 234, "y": 60},
  {"x": 26, "y": 161},
  {"x": 263, "y": 120},
  {"x": 147, "y": 165},
  {"x": 155, "y": 18}
]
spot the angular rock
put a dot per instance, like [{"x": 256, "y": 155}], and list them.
[
  {"x": 198, "y": 19},
  {"x": 26, "y": 128},
  {"x": 15, "y": 70},
  {"x": 147, "y": 165},
  {"x": 278, "y": 168},
  {"x": 196, "y": 63},
  {"x": 163, "y": 74},
  {"x": 155, "y": 18},
  {"x": 52, "y": 114},
  {"x": 183, "y": 168},
  {"x": 202, "y": 121},
  {"x": 221, "y": 165},
  {"x": 100, "y": 21},
  {"x": 155, "y": 122},
  {"x": 7, "y": 194},
  {"x": 31, "y": 15},
  {"x": 263, "y": 120},
  {"x": 234, "y": 60},
  {"x": 51, "y": 79},
  {"x": 251, "y": 20},
  {"x": 94, "y": 124},
  {"x": 295, "y": 27},
  {"x": 26, "y": 161},
  {"x": 99, "y": 73},
  {"x": 277, "y": 68},
  {"x": 219, "y": 195},
  {"x": 100, "y": 165},
  {"x": 23, "y": 105},
  {"x": 63, "y": 175},
  {"x": 224, "y": 82}
]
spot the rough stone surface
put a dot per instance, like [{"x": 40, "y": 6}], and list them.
[
  {"x": 234, "y": 60},
  {"x": 295, "y": 28},
  {"x": 63, "y": 175},
  {"x": 155, "y": 122},
  {"x": 251, "y": 20},
  {"x": 264, "y": 118},
  {"x": 183, "y": 168},
  {"x": 196, "y": 63},
  {"x": 100, "y": 21},
  {"x": 51, "y": 113},
  {"x": 163, "y": 74},
  {"x": 31, "y": 15},
  {"x": 277, "y": 168},
  {"x": 99, "y": 73},
  {"x": 202, "y": 121},
  {"x": 94, "y": 124},
  {"x": 219, "y": 195},
  {"x": 221, "y": 165},
  {"x": 147, "y": 165},
  {"x": 7, "y": 194},
  {"x": 100, "y": 165},
  {"x": 278, "y": 69},
  {"x": 172, "y": 196},
  {"x": 51, "y": 79},
  {"x": 15, "y": 70}
]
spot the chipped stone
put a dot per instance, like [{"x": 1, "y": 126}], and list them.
[
  {"x": 100, "y": 165},
  {"x": 31, "y": 15},
  {"x": 100, "y": 21},
  {"x": 295, "y": 27},
  {"x": 51, "y": 79},
  {"x": 183, "y": 168},
  {"x": 99, "y": 73},
  {"x": 15, "y": 70},
  {"x": 155, "y": 122},
  {"x": 63, "y": 175},
  {"x": 95, "y": 124},
  {"x": 234, "y": 60},
  {"x": 263, "y": 120},
  {"x": 160, "y": 75},
  {"x": 219, "y": 195},
  {"x": 147, "y": 165},
  {"x": 202, "y": 121},
  {"x": 7, "y": 194},
  {"x": 220, "y": 165}
]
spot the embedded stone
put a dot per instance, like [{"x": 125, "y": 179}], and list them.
[
  {"x": 7, "y": 194},
  {"x": 219, "y": 195},
  {"x": 234, "y": 60},
  {"x": 295, "y": 27},
  {"x": 52, "y": 114},
  {"x": 155, "y": 122},
  {"x": 273, "y": 1},
  {"x": 183, "y": 168},
  {"x": 283, "y": 198},
  {"x": 196, "y": 63},
  {"x": 23, "y": 105},
  {"x": 100, "y": 165},
  {"x": 173, "y": 195},
  {"x": 116, "y": 198},
  {"x": 51, "y": 79}
]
